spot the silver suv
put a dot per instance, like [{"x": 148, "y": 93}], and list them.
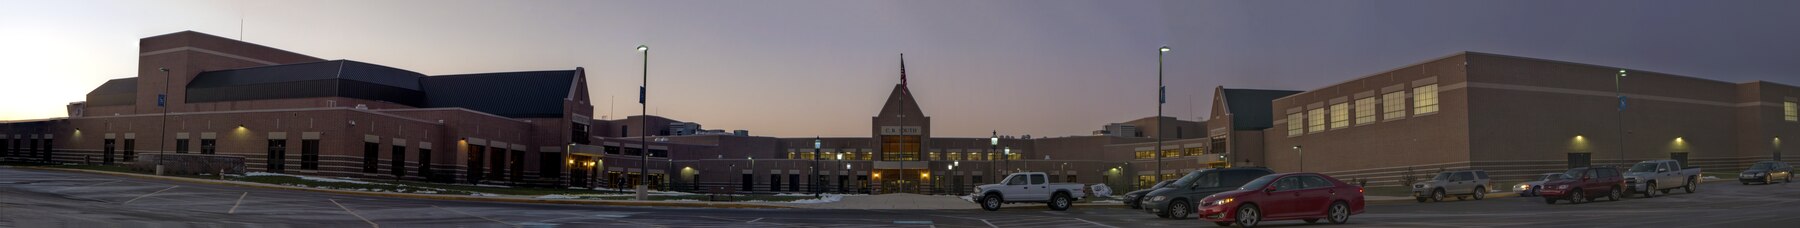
[{"x": 1462, "y": 184}]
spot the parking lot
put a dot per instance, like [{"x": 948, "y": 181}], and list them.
[{"x": 42, "y": 198}]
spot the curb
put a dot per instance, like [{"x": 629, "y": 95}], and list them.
[{"x": 435, "y": 197}]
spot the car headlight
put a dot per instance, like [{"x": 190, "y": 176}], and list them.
[
  {"x": 1524, "y": 187},
  {"x": 1562, "y": 186},
  {"x": 1221, "y": 201},
  {"x": 1159, "y": 198}
]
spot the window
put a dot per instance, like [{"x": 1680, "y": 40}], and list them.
[
  {"x": 933, "y": 156},
  {"x": 181, "y": 146},
  {"x": 774, "y": 182},
  {"x": 610, "y": 149},
  {"x": 1290, "y": 183},
  {"x": 371, "y": 152},
  {"x": 1315, "y": 120},
  {"x": 792, "y": 155},
  {"x": 1196, "y": 151},
  {"x": 209, "y": 146},
  {"x": 1295, "y": 125},
  {"x": 276, "y": 159},
  {"x": 1037, "y": 179},
  {"x": 1315, "y": 182},
  {"x": 130, "y": 149},
  {"x": 1393, "y": 105},
  {"x": 1789, "y": 112},
  {"x": 1015, "y": 156},
  {"x": 793, "y": 182},
  {"x": 397, "y": 160},
  {"x": 425, "y": 163},
  {"x": 956, "y": 156},
  {"x": 1144, "y": 154},
  {"x": 549, "y": 164},
  {"x": 309, "y": 154},
  {"x": 1365, "y": 110},
  {"x": 106, "y": 156},
  {"x": 1169, "y": 153},
  {"x": 1340, "y": 115},
  {"x": 1425, "y": 99},
  {"x": 579, "y": 134}
]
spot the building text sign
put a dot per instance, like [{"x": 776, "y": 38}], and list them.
[{"x": 900, "y": 130}]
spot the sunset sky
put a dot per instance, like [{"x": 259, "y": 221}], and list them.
[{"x": 803, "y": 68}]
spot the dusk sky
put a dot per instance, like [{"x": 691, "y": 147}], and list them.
[{"x": 803, "y": 68}]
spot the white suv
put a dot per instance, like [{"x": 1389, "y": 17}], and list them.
[{"x": 1462, "y": 184}]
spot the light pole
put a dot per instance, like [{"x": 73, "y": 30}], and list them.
[
  {"x": 993, "y": 145},
  {"x": 1161, "y": 97},
  {"x": 643, "y": 188},
  {"x": 1006, "y": 157},
  {"x": 161, "y": 100},
  {"x": 1620, "y": 113},
  {"x": 815, "y": 167},
  {"x": 840, "y": 160},
  {"x": 1302, "y": 152}
]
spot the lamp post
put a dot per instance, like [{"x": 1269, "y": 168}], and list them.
[
  {"x": 643, "y": 189},
  {"x": 1302, "y": 152},
  {"x": 1161, "y": 97},
  {"x": 993, "y": 145},
  {"x": 1620, "y": 113},
  {"x": 161, "y": 99},
  {"x": 1005, "y": 158},
  {"x": 815, "y": 166}
]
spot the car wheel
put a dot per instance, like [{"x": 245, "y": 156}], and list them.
[
  {"x": 1480, "y": 193},
  {"x": 1179, "y": 209},
  {"x": 1060, "y": 202},
  {"x": 991, "y": 202},
  {"x": 1248, "y": 215},
  {"x": 1614, "y": 196},
  {"x": 1649, "y": 190},
  {"x": 1691, "y": 186},
  {"x": 1575, "y": 196},
  {"x": 1222, "y": 223},
  {"x": 1437, "y": 195},
  {"x": 1339, "y": 213}
]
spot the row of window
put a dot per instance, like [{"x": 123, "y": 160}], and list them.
[
  {"x": 1170, "y": 153},
  {"x": 1424, "y": 100},
  {"x": 935, "y": 156},
  {"x": 1789, "y": 111},
  {"x": 25, "y": 148}
]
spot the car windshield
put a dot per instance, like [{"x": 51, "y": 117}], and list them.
[
  {"x": 1762, "y": 166},
  {"x": 1571, "y": 174},
  {"x": 1259, "y": 182},
  {"x": 1442, "y": 176},
  {"x": 1554, "y": 176},
  {"x": 1161, "y": 184},
  {"x": 1643, "y": 167}
]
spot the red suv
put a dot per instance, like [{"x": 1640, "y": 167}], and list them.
[
  {"x": 1304, "y": 196},
  {"x": 1585, "y": 184}
]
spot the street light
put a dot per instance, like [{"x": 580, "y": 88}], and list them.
[
  {"x": 161, "y": 100},
  {"x": 1006, "y": 157},
  {"x": 994, "y": 144},
  {"x": 643, "y": 188},
  {"x": 1162, "y": 96},
  {"x": 817, "y": 142},
  {"x": 1620, "y": 113},
  {"x": 1302, "y": 152}
]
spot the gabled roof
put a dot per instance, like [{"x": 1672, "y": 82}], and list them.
[
  {"x": 337, "y": 78},
  {"x": 121, "y": 91},
  {"x": 1251, "y": 108},
  {"x": 530, "y": 94},
  {"x": 894, "y": 100}
]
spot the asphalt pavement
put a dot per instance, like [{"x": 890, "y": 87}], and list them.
[{"x": 45, "y": 198}]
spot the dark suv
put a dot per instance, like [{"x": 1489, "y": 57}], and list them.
[
  {"x": 1585, "y": 184},
  {"x": 1179, "y": 198}
]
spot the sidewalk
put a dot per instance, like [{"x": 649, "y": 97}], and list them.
[{"x": 907, "y": 201}]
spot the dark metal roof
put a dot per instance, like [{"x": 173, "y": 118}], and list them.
[
  {"x": 529, "y": 94},
  {"x": 339, "y": 78},
  {"x": 1251, "y": 109},
  {"x": 121, "y": 91}
]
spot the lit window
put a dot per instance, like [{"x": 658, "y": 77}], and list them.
[
  {"x": 1015, "y": 156},
  {"x": 1315, "y": 120},
  {"x": 1340, "y": 115},
  {"x": 1365, "y": 110},
  {"x": 1169, "y": 153},
  {"x": 956, "y": 156},
  {"x": 791, "y": 155},
  {"x": 1425, "y": 99},
  {"x": 1791, "y": 114},
  {"x": 1145, "y": 154},
  {"x": 1295, "y": 126},
  {"x": 934, "y": 156},
  {"x": 1393, "y": 105},
  {"x": 1196, "y": 151}
]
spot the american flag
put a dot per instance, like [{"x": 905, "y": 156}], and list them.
[{"x": 902, "y": 70}]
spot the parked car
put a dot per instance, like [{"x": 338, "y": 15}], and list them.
[
  {"x": 1132, "y": 198},
  {"x": 1177, "y": 201},
  {"x": 1462, "y": 184},
  {"x": 1585, "y": 184},
  {"x": 1027, "y": 187},
  {"x": 1767, "y": 172},
  {"x": 1650, "y": 177},
  {"x": 1529, "y": 188},
  {"x": 1303, "y": 196}
]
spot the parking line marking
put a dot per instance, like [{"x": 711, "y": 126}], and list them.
[
  {"x": 353, "y": 213},
  {"x": 83, "y": 186},
  {"x": 240, "y": 201},
  {"x": 989, "y": 223},
  {"x": 152, "y": 193},
  {"x": 1095, "y": 223},
  {"x": 477, "y": 216}
]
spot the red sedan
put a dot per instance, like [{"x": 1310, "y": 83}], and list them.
[{"x": 1287, "y": 196}]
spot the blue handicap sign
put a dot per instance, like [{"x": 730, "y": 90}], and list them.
[
  {"x": 1622, "y": 103},
  {"x": 160, "y": 98}
]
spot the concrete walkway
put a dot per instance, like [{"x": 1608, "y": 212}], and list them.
[{"x": 907, "y": 201}]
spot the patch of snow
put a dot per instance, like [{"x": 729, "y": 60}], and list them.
[
  {"x": 483, "y": 194},
  {"x": 554, "y": 196},
  {"x": 426, "y": 192},
  {"x": 1709, "y": 178},
  {"x": 826, "y": 198},
  {"x": 309, "y": 178},
  {"x": 1108, "y": 201},
  {"x": 492, "y": 186},
  {"x": 683, "y": 200}
]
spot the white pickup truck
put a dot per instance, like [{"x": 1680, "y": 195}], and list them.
[
  {"x": 1654, "y": 176},
  {"x": 1027, "y": 187}
]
